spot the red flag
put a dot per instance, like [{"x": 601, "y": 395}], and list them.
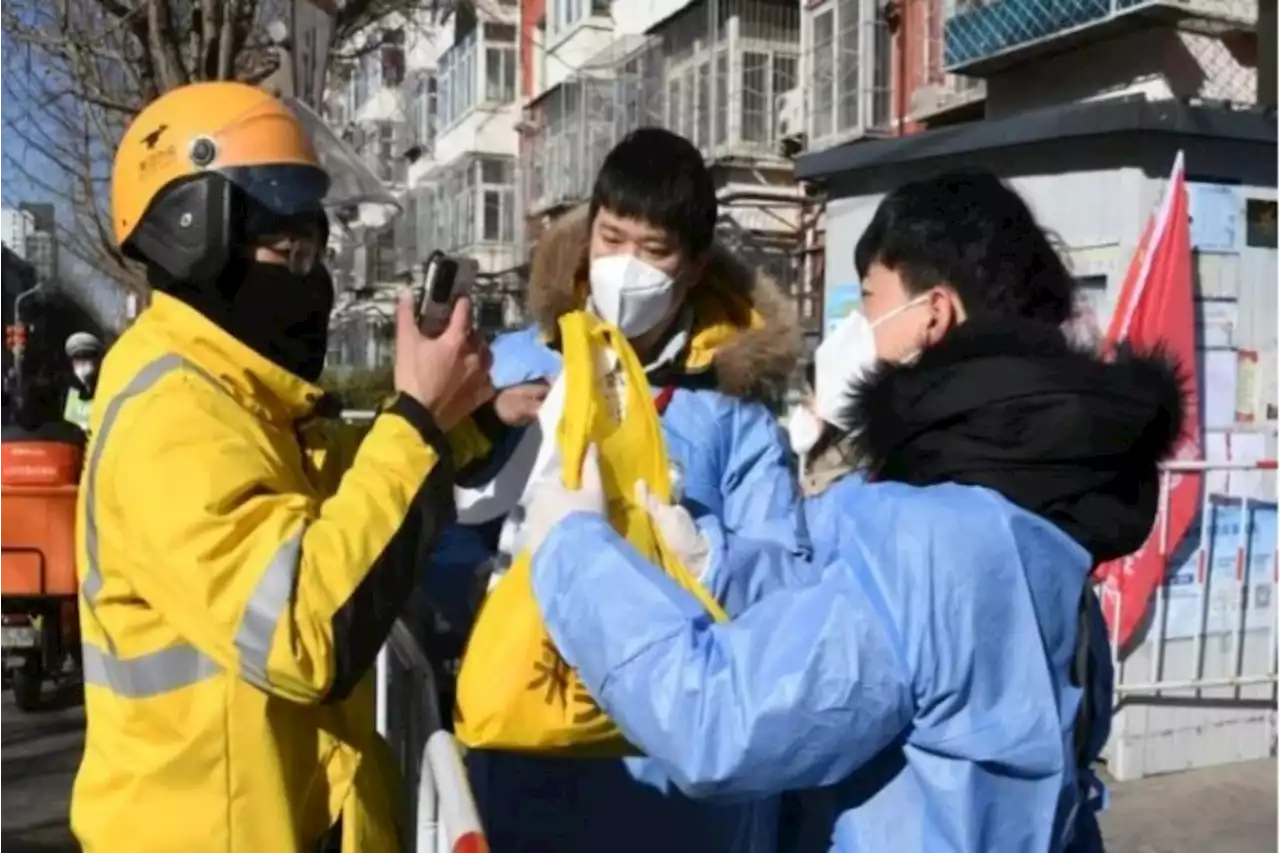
[{"x": 1156, "y": 308}]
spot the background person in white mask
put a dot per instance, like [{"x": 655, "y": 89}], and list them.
[
  {"x": 715, "y": 338},
  {"x": 84, "y": 351}
]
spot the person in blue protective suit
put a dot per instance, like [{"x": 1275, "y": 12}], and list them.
[
  {"x": 715, "y": 337},
  {"x": 940, "y": 674}
]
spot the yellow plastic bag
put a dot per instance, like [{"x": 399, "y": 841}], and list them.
[{"x": 515, "y": 692}]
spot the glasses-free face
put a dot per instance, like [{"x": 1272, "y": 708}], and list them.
[
  {"x": 905, "y": 323},
  {"x": 612, "y": 234}
]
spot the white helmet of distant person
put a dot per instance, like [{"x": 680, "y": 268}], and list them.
[{"x": 84, "y": 345}]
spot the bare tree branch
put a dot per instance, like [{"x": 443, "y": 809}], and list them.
[{"x": 75, "y": 72}]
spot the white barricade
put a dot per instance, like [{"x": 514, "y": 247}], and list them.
[{"x": 1200, "y": 687}]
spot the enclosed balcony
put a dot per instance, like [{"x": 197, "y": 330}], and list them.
[{"x": 983, "y": 38}]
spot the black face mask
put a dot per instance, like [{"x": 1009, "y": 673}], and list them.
[{"x": 280, "y": 315}]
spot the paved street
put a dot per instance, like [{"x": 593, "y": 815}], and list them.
[
  {"x": 1227, "y": 808},
  {"x": 39, "y": 754}
]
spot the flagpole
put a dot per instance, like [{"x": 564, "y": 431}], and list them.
[{"x": 1161, "y": 227}]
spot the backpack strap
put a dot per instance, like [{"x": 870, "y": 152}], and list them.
[
  {"x": 1095, "y": 793},
  {"x": 1082, "y": 677}
]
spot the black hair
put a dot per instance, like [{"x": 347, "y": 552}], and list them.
[
  {"x": 970, "y": 231},
  {"x": 659, "y": 178}
]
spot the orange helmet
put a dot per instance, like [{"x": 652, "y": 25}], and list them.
[{"x": 208, "y": 167}]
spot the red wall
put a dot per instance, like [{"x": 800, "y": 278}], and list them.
[
  {"x": 531, "y": 11},
  {"x": 921, "y": 20}
]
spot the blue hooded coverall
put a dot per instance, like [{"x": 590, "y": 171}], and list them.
[
  {"x": 938, "y": 677},
  {"x": 735, "y": 468},
  {"x": 898, "y": 673}
]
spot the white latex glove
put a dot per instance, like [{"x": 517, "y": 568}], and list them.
[
  {"x": 550, "y": 501},
  {"x": 678, "y": 529}
]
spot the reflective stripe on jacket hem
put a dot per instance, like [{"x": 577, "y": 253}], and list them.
[{"x": 147, "y": 675}]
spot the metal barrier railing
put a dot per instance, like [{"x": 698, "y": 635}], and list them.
[
  {"x": 441, "y": 805},
  {"x": 1210, "y": 502},
  {"x": 443, "y": 813}
]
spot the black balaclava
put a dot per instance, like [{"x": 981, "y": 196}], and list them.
[{"x": 279, "y": 314}]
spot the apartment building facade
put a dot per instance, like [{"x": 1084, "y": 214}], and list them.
[{"x": 431, "y": 104}]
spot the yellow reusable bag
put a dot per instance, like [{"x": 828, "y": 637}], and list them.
[{"x": 514, "y": 691}]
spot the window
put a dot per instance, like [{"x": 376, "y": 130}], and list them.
[
  {"x": 565, "y": 14},
  {"x": 702, "y": 130},
  {"x": 471, "y": 203},
  {"x": 851, "y": 70},
  {"x": 497, "y": 200},
  {"x": 689, "y": 111},
  {"x": 785, "y": 78},
  {"x": 823, "y": 73},
  {"x": 423, "y": 109},
  {"x": 882, "y": 77},
  {"x": 464, "y": 85},
  {"x": 500, "y": 73},
  {"x": 755, "y": 97},
  {"x": 384, "y": 259},
  {"x": 1260, "y": 223},
  {"x": 848, "y": 70},
  {"x": 457, "y": 81},
  {"x": 721, "y": 128},
  {"x": 673, "y": 104}
]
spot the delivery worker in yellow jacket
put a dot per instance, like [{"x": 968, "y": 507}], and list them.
[{"x": 234, "y": 592}]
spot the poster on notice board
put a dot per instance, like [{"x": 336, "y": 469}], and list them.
[{"x": 1236, "y": 590}]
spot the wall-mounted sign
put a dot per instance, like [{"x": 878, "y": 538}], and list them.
[
  {"x": 1215, "y": 217},
  {"x": 839, "y": 301}
]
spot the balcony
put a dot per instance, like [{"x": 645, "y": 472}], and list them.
[
  {"x": 985, "y": 38},
  {"x": 576, "y": 124},
  {"x": 468, "y": 206}
]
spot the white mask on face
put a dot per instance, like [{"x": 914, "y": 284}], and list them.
[
  {"x": 844, "y": 357},
  {"x": 630, "y": 294},
  {"x": 83, "y": 370},
  {"x": 804, "y": 429}
]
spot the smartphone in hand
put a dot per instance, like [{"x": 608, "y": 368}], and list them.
[{"x": 445, "y": 279}]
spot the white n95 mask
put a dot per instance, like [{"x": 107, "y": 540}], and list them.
[
  {"x": 804, "y": 429},
  {"x": 845, "y": 356},
  {"x": 630, "y": 294}
]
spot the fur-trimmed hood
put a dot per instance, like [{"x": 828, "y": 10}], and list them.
[
  {"x": 1011, "y": 405},
  {"x": 745, "y": 333}
]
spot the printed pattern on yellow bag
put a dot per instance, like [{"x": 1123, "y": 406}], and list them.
[{"x": 515, "y": 691}]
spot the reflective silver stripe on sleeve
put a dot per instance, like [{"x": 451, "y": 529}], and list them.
[
  {"x": 267, "y": 605},
  {"x": 147, "y": 675},
  {"x": 148, "y": 376}
]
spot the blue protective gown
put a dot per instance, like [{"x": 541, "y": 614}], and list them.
[
  {"x": 923, "y": 676},
  {"x": 735, "y": 471}
]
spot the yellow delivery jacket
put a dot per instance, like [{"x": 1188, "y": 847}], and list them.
[{"x": 234, "y": 594}]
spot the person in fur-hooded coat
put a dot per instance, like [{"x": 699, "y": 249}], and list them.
[{"x": 728, "y": 339}]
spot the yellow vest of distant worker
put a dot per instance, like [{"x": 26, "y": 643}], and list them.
[
  {"x": 515, "y": 692},
  {"x": 78, "y": 410}
]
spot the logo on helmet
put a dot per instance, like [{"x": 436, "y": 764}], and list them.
[{"x": 153, "y": 138}]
